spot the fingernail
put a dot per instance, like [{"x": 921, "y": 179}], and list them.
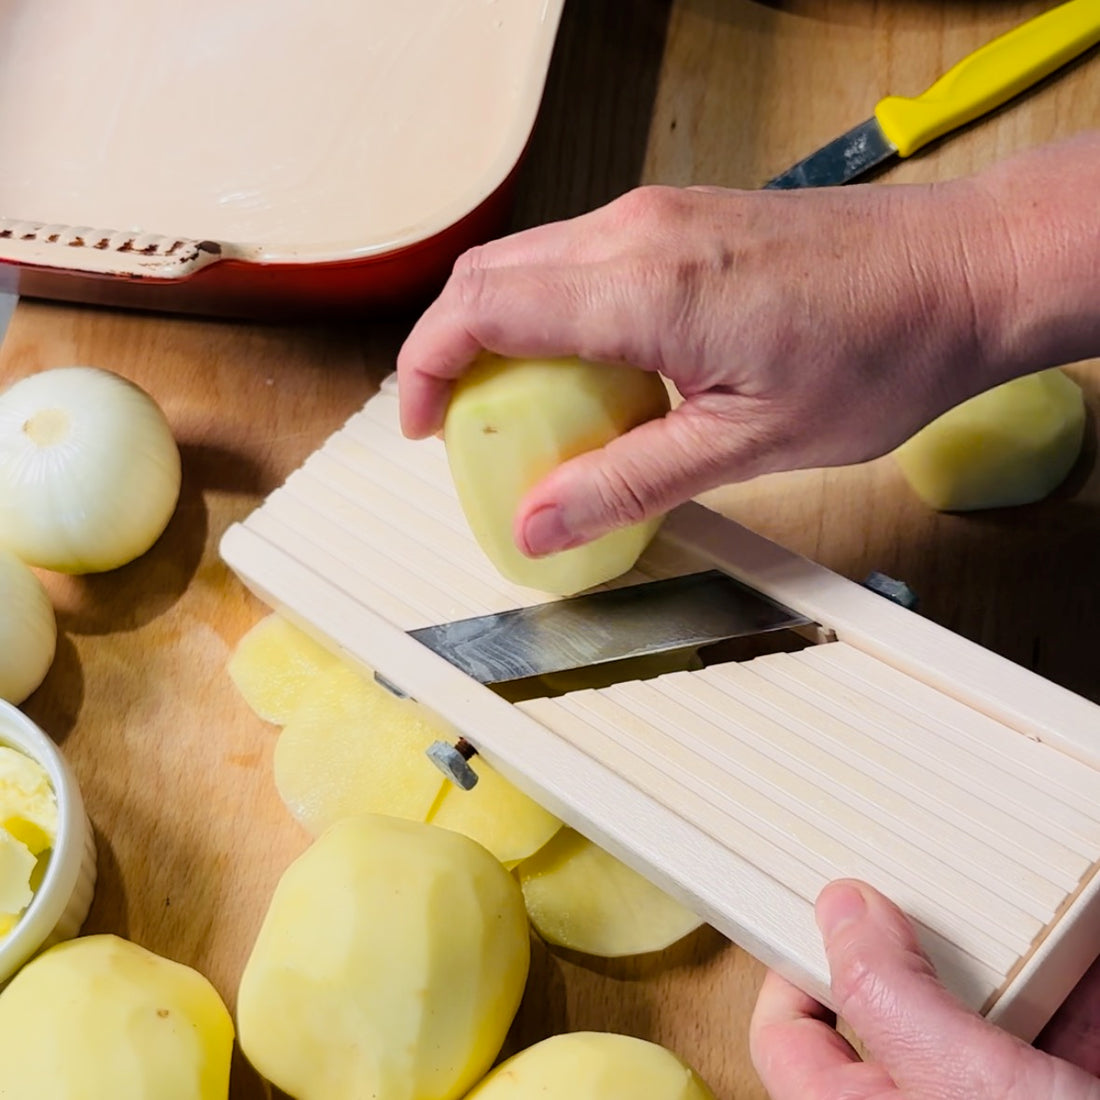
[
  {"x": 838, "y": 905},
  {"x": 546, "y": 532}
]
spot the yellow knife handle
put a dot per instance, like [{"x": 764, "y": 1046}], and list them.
[{"x": 991, "y": 75}]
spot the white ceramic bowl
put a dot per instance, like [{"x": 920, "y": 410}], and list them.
[{"x": 64, "y": 897}]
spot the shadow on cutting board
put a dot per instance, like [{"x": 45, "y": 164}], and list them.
[{"x": 589, "y": 142}]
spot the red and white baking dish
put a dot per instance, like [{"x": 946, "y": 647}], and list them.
[{"x": 260, "y": 157}]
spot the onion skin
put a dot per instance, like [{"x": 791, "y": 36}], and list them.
[
  {"x": 28, "y": 630},
  {"x": 89, "y": 470}
]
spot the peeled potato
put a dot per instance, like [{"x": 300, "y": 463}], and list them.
[
  {"x": 497, "y": 815},
  {"x": 390, "y": 964},
  {"x": 510, "y": 422},
  {"x": 580, "y": 897},
  {"x": 102, "y": 1017},
  {"x": 593, "y": 1065},
  {"x": 353, "y": 747},
  {"x": 273, "y": 664},
  {"x": 1010, "y": 445}
]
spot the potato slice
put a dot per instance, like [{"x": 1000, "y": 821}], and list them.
[
  {"x": 390, "y": 964},
  {"x": 1011, "y": 445},
  {"x": 99, "y": 1016},
  {"x": 353, "y": 747},
  {"x": 17, "y": 864},
  {"x": 580, "y": 897},
  {"x": 28, "y": 804},
  {"x": 510, "y": 422},
  {"x": 593, "y": 1065},
  {"x": 497, "y": 814},
  {"x": 273, "y": 664}
]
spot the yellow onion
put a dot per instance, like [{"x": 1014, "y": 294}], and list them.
[{"x": 89, "y": 470}]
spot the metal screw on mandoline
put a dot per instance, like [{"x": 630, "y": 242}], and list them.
[
  {"x": 453, "y": 762},
  {"x": 894, "y": 590}
]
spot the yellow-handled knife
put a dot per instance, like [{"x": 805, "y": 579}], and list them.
[{"x": 979, "y": 83}]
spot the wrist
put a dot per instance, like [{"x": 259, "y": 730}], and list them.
[{"x": 1035, "y": 269}]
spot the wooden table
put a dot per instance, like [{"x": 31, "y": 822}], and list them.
[{"x": 176, "y": 771}]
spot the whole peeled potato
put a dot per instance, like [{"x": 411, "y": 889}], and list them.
[
  {"x": 510, "y": 422},
  {"x": 102, "y": 1017},
  {"x": 593, "y": 1065},
  {"x": 389, "y": 965},
  {"x": 1014, "y": 444}
]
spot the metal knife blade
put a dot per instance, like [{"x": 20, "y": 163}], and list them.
[
  {"x": 976, "y": 85},
  {"x": 844, "y": 158},
  {"x": 596, "y": 628}
]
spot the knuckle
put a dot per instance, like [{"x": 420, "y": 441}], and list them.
[
  {"x": 647, "y": 205},
  {"x": 620, "y": 497},
  {"x": 472, "y": 291},
  {"x": 856, "y": 984},
  {"x": 862, "y": 984},
  {"x": 473, "y": 300},
  {"x": 473, "y": 259},
  {"x": 475, "y": 289}
]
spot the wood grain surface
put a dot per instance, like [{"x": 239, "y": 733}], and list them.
[{"x": 176, "y": 771}]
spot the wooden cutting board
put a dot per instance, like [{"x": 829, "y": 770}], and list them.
[{"x": 177, "y": 772}]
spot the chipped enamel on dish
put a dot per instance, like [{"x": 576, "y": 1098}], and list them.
[{"x": 344, "y": 130}]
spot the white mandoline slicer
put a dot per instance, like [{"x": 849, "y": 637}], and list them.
[{"x": 963, "y": 786}]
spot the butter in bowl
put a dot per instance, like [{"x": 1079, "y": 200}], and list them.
[{"x": 47, "y": 848}]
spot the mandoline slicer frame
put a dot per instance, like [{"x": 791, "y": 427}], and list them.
[{"x": 964, "y": 786}]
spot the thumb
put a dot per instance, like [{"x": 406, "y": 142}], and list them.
[
  {"x": 641, "y": 474},
  {"x": 886, "y": 989}
]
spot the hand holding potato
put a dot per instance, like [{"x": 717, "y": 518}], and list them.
[{"x": 802, "y": 329}]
